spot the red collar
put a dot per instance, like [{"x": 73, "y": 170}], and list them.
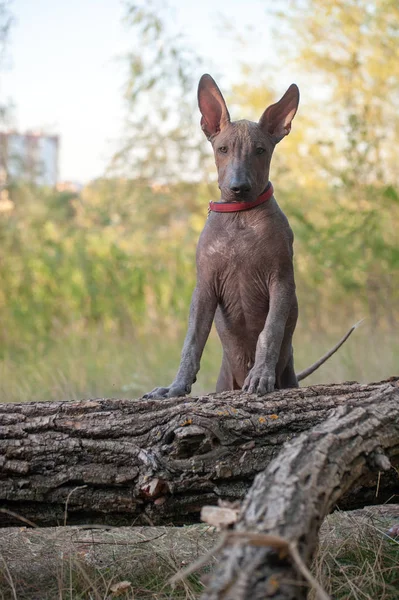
[{"x": 237, "y": 206}]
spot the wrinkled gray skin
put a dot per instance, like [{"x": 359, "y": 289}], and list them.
[{"x": 245, "y": 276}]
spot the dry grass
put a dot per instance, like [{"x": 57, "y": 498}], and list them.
[
  {"x": 69, "y": 563},
  {"x": 100, "y": 364},
  {"x": 355, "y": 560}
]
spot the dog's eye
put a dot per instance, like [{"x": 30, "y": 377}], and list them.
[
  {"x": 223, "y": 149},
  {"x": 260, "y": 150}
]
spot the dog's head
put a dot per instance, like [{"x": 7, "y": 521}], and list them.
[{"x": 243, "y": 149}]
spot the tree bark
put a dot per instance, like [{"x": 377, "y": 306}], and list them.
[
  {"x": 125, "y": 462},
  {"x": 290, "y": 499}
]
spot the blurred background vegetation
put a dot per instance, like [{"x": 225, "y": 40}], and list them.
[{"x": 95, "y": 285}]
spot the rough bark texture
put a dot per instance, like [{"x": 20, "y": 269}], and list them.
[
  {"x": 298, "y": 489},
  {"x": 157, "y": 461}
]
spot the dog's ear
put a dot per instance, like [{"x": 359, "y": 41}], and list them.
[
  {"x": 277, "y": 118},
  {"x": 215, "y": 115}
]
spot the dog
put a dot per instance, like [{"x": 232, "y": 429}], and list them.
[{"x": 245, "y": 273}]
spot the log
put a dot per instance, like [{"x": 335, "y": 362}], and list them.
[
  {"x": 123, "y": 462},
  {"x": 275, "y": 536}
]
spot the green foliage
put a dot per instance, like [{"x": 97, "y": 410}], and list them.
[
  {"x": 123, "y": 255},
  {"x": 119, "y": 253}
]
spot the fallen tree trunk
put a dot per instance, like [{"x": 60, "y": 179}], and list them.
[
  {"x": 276, "y": 533},
  {"x": 157, "y": 461}
]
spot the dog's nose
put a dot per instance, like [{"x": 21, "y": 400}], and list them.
[{"x": 239, "y": 187}]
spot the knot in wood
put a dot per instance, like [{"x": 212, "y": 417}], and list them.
[
  {"x": 155, "y": 488},
  {"x": 192, "y": 440}
]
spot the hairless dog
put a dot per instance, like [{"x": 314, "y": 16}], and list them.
[{"x": 245, "y": 274}]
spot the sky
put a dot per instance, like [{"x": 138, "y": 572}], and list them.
[{"x": 64, "y": 70}]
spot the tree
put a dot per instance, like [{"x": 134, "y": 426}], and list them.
[
  {"x": 123, "y": 461},
  {"x": 162, "y": 142},
  {"x": 340, "y": 180},
  {"x": 5, "y": 25}
]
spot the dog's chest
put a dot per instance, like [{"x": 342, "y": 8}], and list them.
[
  {"x": 240, "y": 246},
  {"x": 238, "y": 264}
]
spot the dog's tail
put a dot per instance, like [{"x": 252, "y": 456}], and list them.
[{"x": 318, "y": 363}]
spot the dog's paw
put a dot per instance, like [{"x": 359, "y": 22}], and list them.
[
  {"x": 173, "y": 391},
  {"x": 259, "y": 381}
]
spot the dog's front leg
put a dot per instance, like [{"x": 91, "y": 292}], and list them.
[
  {"x": 262, "y": 376},
  {"x": 202, "y": 312}
]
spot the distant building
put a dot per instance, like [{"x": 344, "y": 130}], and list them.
[{"x": 30, "y": 157}]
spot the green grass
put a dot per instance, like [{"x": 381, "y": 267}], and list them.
[{"x": 98, "y": 363}]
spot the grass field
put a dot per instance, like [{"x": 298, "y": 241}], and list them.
[{"x": 98, "y": 363}]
